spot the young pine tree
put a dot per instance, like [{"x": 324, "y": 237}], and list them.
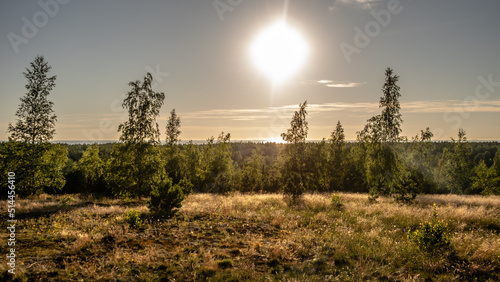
[
  {"x": 391, "y": 117},
  {"x": 337, "y": 163},
  {"x": 173, "y": 128},
  {"x": 173, "y": 157},
  {"x": 456, "y": 167},
  {"x": 294, "y": 171},
  {"x": 381, "y": 162}
]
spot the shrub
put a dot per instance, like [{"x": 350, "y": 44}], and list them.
[
  {"x": 432, "y": 235},
  {"x": 134, "y": 218},
  {"x": 225, "y": 263},
  {"x": 337, "y": 202},
  {"x": 407, "y": 185},
  {"x": 186, "y": 186},
  {"x": 274, "y": 265},
  {"x": 64, "y": 200},
  {"x": 166, "y": 197}
]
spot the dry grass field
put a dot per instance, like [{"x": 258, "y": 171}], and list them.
[{"x": 253, "y": 238}]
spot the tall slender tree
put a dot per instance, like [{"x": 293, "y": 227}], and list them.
[
  {"x": 38, "y": 164},
  {"x": 294, "y": 171},
  {"x": 143, "y": 105},
  {"x": 135, "y": 167},
  {"x": 336, "y": 162},
  {"x": 173, "y": 157},
  {"x": 36, "y": 119},
  {"x": 298, "y": 126},
  {"x": 173, "y": 128},
  {"x": 381, "y": 161},
  {"x": 391, "y": 117}
]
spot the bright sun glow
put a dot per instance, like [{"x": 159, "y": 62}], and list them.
[{"x": 279, "y": 51}]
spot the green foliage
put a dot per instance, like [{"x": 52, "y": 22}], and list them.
[
  {"x": 273, "y": 180},
  {"x": 134, "y": 169},
  {"x": 133, "y": 218},
  {"x": 38, "y": 165},
  {"x": 173, "y": 128},
  {"x": 337, "y": 159},
  {"x": 407, "y": 185},
  {"x": 38, "y": 168},
  {"x": 36, "y": 121},
  {"x": 298, "y": 126},
  {"x": 91, "y": 166},
  {"x": 431, "y": 236},
  {"x": 294, "y": 173},
  {"x": 186, "y": 186},
  {"x": 274, "y": 265},
  {"x": 485, "y": 180},
  {"x": 173, "y": 159},
  {"x": 143, "y": 105},
  {"x": 166, "y": 197},
  {"x": 381, "y": 168},
  {"x": 217, "y": 165},
  {"x": 379, "y": 134},
  {"x": 354, "y": 176},
  {"x": 294, "y": 186},
  {"x": 496, "y": 162},
  {"x": 225, "y": 263},
  {"x": 414, "y": 174},
  {"x": 191, "y": 165},
  {"x": 65, "y": 200},
  {"x": 455, "y": 167},
  {"x": 49, "y": 174},
  {"x": 318, "y": 164},
  {"x": 421, "y": 160},
  {"x": 253, "y": 172},
  {"x": 390, "y": 117},
  {"x": 135, "y": 166},
  {"x": 337, "y": 202},
  {"x": 173, "y": 156}
]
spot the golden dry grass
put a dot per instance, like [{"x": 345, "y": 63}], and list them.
[{"x": 263, "y": 237}]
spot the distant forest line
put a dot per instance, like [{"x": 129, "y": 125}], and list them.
[{"x": 250, "y": 167}]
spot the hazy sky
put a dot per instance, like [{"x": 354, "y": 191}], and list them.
[{"x": 446, "y": 52}]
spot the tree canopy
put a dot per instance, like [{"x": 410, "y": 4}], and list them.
[{"x": 36, "y": 120}]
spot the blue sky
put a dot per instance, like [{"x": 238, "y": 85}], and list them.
[{"x": 446, "y": 53}]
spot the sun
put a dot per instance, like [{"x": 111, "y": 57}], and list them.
[{"x": 279, "y": 51}]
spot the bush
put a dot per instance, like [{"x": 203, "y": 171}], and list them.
[
  {"x": 432, "y": 235},
  {"x": 337, "y": 202},
  {"x": 167, "y": 197},
  {"x": 407, "y": 185},
  {"x": 225, "y": 263},
  {"x": 64, "y": 200},
  {"x": 134, "y": 218}
]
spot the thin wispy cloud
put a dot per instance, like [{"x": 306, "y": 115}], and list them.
[
  {"x": 343, "y": 85},
  {"x": 286, "y": 111},
  {"x": 256, "y": 118},
  {"x": 451, "y": 106},
  {"x": 333, "y": 84},
  {"x": 360, "y": 4},
  {"x": 359, "y": 107}
]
